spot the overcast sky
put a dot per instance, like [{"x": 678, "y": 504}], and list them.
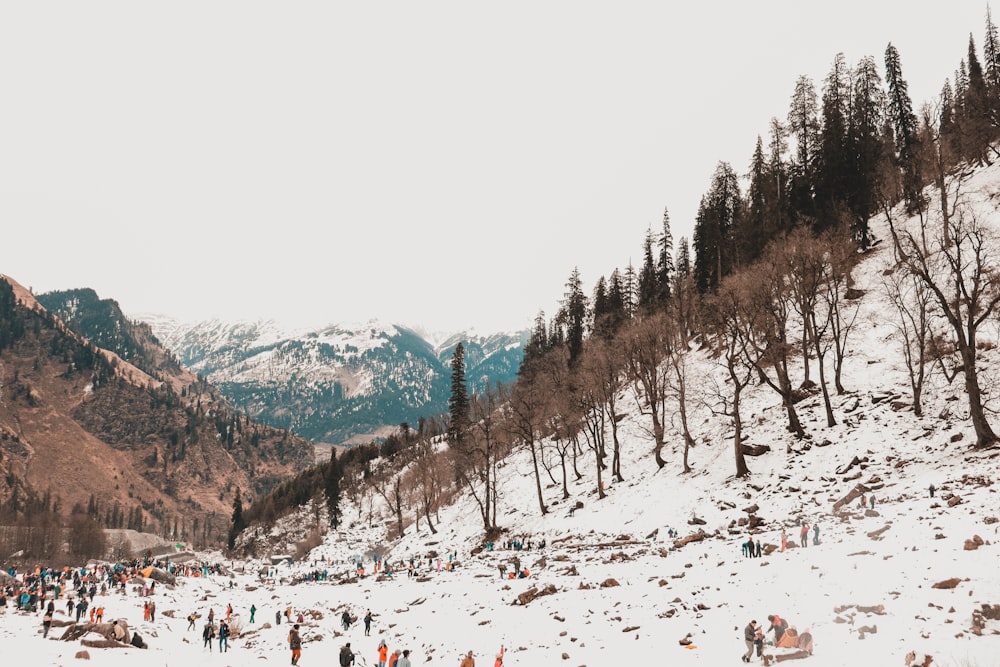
[{"x": 437, "y": 164}]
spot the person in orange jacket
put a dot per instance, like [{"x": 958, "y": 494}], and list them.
[
  {"x": 383, "y": 652},
  {"x": 499, "y": 662},
  {"x": 393, "y": 658}
]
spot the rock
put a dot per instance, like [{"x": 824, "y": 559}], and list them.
[
  {"x": 609, "y": 583},
  {"x": 947, "y": 584},
  {"x": 954, "y": 500},
  {"x": 752, "y": 509},
  {"x": 82, "y": 655}
]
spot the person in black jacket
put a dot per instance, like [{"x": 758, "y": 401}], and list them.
[
  {"x": 749, "y": 633},
  {"x": 346, "y": 655}
]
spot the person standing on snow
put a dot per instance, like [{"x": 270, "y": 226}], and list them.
[
  {"x": 749, "y": 635},
  {"x": 368, "y": 623},
  {"x": 804, "y": 534},
  {"x": 468, "y": 661}
]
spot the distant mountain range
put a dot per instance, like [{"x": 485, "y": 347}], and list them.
[{"x": 340, "y": 384}]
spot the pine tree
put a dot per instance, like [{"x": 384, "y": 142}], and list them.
[
  {"x": 975, "y": 124},
  {"x": 647, "y": 276},
  {"x": 803, "y": 125},
  {"x": 331, "y": 483},
  {"x": 865, "y": 146},
  {"x": 833, "y": 165},
  {"x": 904, "y": 127},
  {"x": 717, "y": 218},
  {"x": 573, "y": 315},
  {"x": 458, "y": 402},
  {"x": 238, "y": 523},
  {"x": 665, "y": 260}
]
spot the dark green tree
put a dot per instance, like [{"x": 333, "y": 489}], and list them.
[
  {"x": 458, "y": 402},
  {"x": 238, "y": 522},
  {"x": 833, "y": 171},
  {"x": 573, "y": 316},
  {"x": 905, "y": 131},
  {"x": 865, "y": 147},
  {"x": 665, "y": 259},
  {"x": 717, "y": 218},
  {"x": 331, "y": 483},
  {"x": 648, "y": 288}
]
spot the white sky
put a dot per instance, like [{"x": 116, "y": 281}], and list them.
[{"x": 439, "y": 164}]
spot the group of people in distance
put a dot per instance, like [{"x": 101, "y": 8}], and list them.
[{"x": 784, "y": 637}]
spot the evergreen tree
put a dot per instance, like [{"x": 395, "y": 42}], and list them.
[
  {"x": 648, "y": 289},
  {"x": 717, "y": 218},
  {"x": 975, "y": 123},
  {"x": 238, "y": 523},
  {"x": 573, "y": 315},
  {"x": 665, "y": 260},
  {"x": 754, "y": 232},
  {"x": 904, "y": 128},
  {"x": 991, "y": 56},
  {"x": 458, "y": 402},
  {"x": 683, "y": 258},
  {"x": 865, "y": 147},
  {"x": 833, "y": 166},
  {"x": 331, "y": 483},
  {"x": 803, "y": 125}
]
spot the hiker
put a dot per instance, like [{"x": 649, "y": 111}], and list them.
[
  {"x": 394, "y": 658},
  {"x": 871, "y": 501},
  {"x": 779, "y": 625},
  {"x": 405, "y": 660},
  {"x": 346, "y": 655},
  {"x": 208, "y": 634},
  {"x": 864, "y": 501},
  {"x": 118, "y": 630},
  {"x": 931, "y": 489},
  {"x": 253, "y": 610},
  {"x": 746, "y": 549},
  {"x": 784, "y": 539},
  {"x": 468, "y": 660},
  {"x": 345, "y": 619},
  {"x": 499, "y": 662},
  {"x": 759, "y": 549},
  {"x": 383, "y": 653},
  {"x": 815, "y": 534},
  {"x": 804, "y": 534},
  {"x": 368, "y": 623},
  {"x": 294, "y": 642},
  {"x": 277, "y": 618},
  {"x": 749, "y": 635},
  {"x": 223, "y": 636},
  {"x": 47, "y": 619},
  {"x": 152, "y": 612}
]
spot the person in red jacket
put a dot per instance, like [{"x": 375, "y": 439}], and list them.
[
  {"x": 499, "y": 662},
  {"x": 383, "y": 652}
]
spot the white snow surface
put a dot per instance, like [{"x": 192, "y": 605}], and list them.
[{"x": 665, "y": 592}]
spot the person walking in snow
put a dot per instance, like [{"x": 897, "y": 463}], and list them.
[
  {"x": 784, "y": 539},
  {"x": 394, "y": 658},
  {"x": 383, "y": 652},
  {"x": 758, "y": 549},
  {"x": 368, "y": 623},
  {"x": 223, "y": 637},
  {"x": 804, "y": 534},
  {"x": 253, "y": 610},
  {"x": 931, "y": 489},
  {"x": 871, "y": 501},
  {"x": 345, "y": 620},
  {"x": 295, "y": 643},
  {"x": 468, "y": 660},
  {"x": 749, "y": 634},
  {"x": 208, "y": 634},
  {"x": 405, "y": 660},
  {"x": 816, "y": 534}
]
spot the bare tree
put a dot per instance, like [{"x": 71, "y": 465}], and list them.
[
  {"x": 526, "y": 414},
  {"x": 769, "y": 348},
  {"x": 960, "y": 273},
  {"x": 644, "y": 346},
  {"x": 734, "y": 319},
  {"x": 477, "y": 462},
  {"x": 912, "y": 300}
]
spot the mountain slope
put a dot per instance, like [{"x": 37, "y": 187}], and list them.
[{"x": 86, "y": 426}]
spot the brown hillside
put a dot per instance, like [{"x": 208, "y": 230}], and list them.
[{"x": 83, "y": 425}]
